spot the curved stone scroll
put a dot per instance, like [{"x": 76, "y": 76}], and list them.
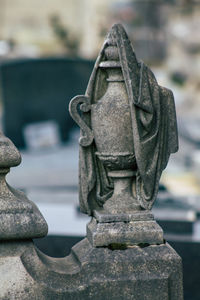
[{"x": 84, "y": 103}]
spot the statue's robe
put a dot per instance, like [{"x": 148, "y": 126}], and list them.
[{"x": 153, "y": 125}]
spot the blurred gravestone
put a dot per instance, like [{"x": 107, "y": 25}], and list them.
[
  {"x": 149, "y": 33},
  {"x": 37, "y": 90},
  {"x": 41, "y": 135}
]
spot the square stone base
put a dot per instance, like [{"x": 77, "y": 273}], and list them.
[
  {"x": 135, "y": 273},
  {"x": 129, "y": 229}
]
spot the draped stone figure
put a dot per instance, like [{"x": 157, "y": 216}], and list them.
[{"x": 144, "y": 132}]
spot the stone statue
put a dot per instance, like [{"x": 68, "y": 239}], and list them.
[{"x": 128, "y": 130}]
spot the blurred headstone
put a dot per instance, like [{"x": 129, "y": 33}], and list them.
[
  {"x": 174, "y": 214},
  {"x": 147, "y": 29},
  {"x": 42, "y": 135},
  {"x": 37, "y": 90}
]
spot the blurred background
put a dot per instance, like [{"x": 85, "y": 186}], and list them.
[{"x": 47, "y": 53}]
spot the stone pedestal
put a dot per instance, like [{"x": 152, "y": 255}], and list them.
[
  {"x": 123, "y": 257},
  {"x": 136, "y": 273},
  {"x": 129, "y": 229},
  {"x": 139, "y": 273}
]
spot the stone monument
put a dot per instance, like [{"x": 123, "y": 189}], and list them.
[{"x": 128, "y": 130}]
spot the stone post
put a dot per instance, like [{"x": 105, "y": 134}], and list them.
[{"x": 128, "y": 130}]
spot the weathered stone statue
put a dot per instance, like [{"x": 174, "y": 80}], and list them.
[{"x": 128, "y": 130}]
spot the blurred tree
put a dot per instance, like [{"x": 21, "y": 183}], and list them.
[{"x": 64, "y": 36}]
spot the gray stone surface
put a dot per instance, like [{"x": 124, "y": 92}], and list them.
[
  {"x": 135, "y": 273},
  {"x": 130, "y": 233},
  {"x": 19, "y": 217},
  {"x": 131, "y": 229},
  {"x": 104, "y": 217}
]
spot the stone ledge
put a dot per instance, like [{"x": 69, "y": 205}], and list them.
[
  {"x": 102, "y": 216},
  {"x": 130, "y": 233}
]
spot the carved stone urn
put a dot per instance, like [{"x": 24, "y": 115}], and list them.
[
  {"x": 128, "y": 130},
  {"x": 113, "y": 134}
]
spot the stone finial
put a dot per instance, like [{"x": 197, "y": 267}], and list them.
[
  {"x": 128, "y": 131},
  {"x": 20, "y": 218},
  {"x": 9, "y": 155}
]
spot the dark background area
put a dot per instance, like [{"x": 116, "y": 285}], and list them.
[{"x": 35, "y": 90}]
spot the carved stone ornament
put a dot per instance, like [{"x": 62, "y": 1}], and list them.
[{"x": 128, "y": 131}]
